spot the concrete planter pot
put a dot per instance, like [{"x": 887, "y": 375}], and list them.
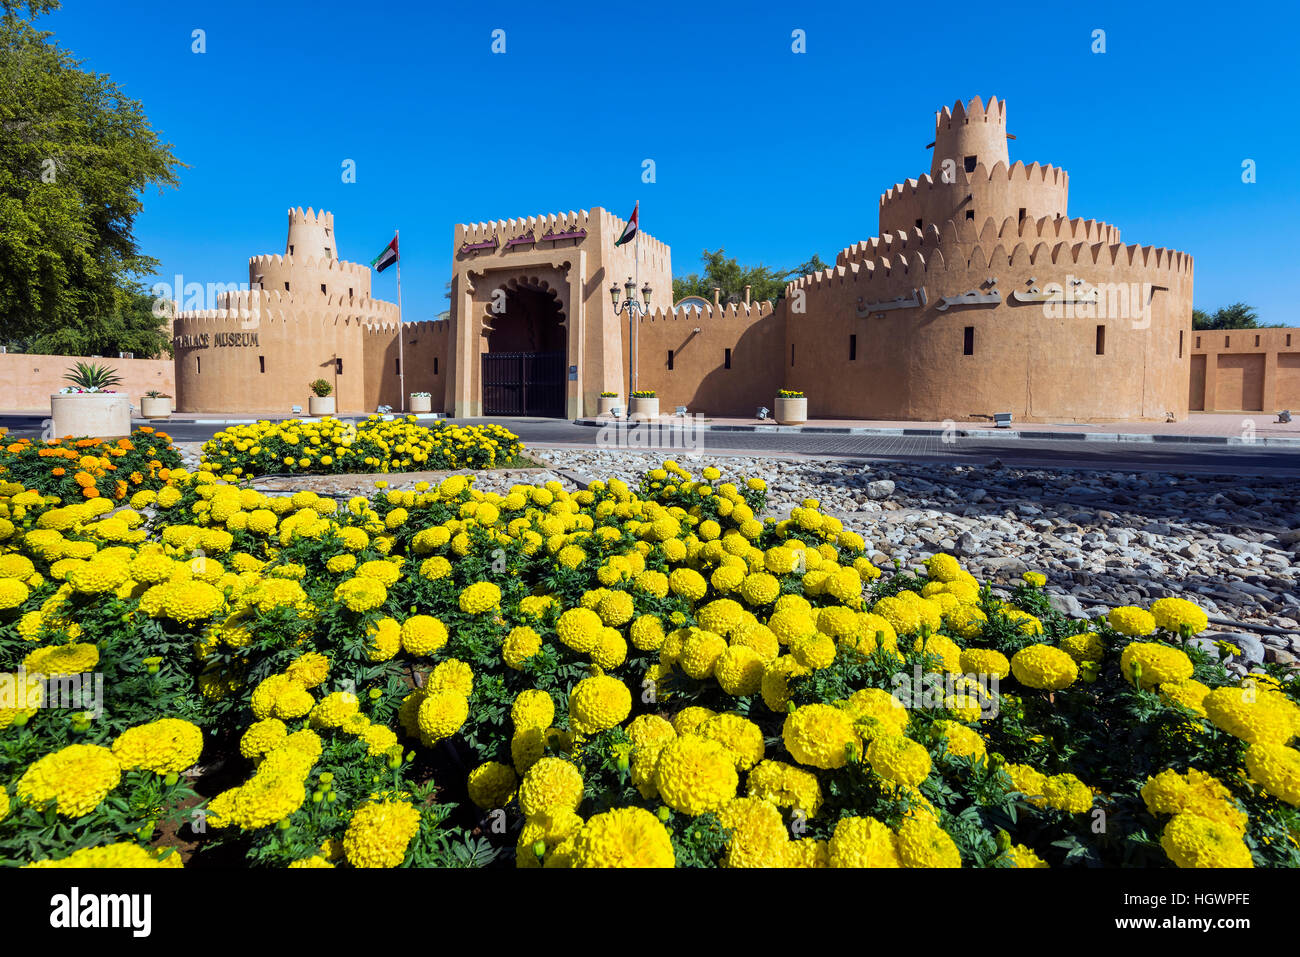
[
  {"x": 321, "y": 405},
  {"x": 608, "y": 402},
  {"x": 792, "y": 411},
  {"x": 421, "y": 403},
  {"x": 158, "y": 408},
  {"x": 99, "y": 415},
  {"x": 645, "y": 408}
]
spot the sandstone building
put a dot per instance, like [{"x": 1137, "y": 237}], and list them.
[{"x": 978, "y": 295}]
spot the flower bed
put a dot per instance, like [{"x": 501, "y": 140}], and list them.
[
  {"x": 615, "y": 677},
  {"x": 375, "y": 444},
  {"x": 74, "y": 469}
]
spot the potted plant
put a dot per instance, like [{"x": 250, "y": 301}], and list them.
[
  {"x": 421, "y": 402},
  {"x": 645, "y": 403},
  {"x": 608, "y": 401},
  {"x": 791, "y": 407},
  {"x": 155, "y": 404},
  {"x": 90, "y": 407},
  {"x": 322, "y": 403}
]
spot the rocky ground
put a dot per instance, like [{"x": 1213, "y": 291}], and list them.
[{"x": 1102, "y": 538}]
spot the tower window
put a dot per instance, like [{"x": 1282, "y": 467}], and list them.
[
  {"x": 1180, "y": 343},
  {"x": 198, "y": 364},
  {"x": 792, "y": 353},
  {"x": 349, "y": 292},
  {"x": 670, "y": 360},
  {"x": 853, "y": 348},
  {"x": 726, "y": 358},
  {"x": 970, "y": 214},
  {"x": 1257, "y": 340},
  {"x": 397, "y": 366},
  {"x": 970, "y": 164},
  {"x": 322, "y": 288},
  {"x": 286, "y": 287},
  {"x": 1198, "y": 342},
  {"x": 338, "y": 365},
  {"x": 327, "y": 253},
  {"x": 918, "y": 224},
  {"x": 1227, "y": 341},
  {"x": 1288, "y": 338},
  {"x": 1022, "y": 214},
  {"x": 435, "y": 365},
  {"x": 968, "y": 341},
  {"x": 1101, "y": 340},
  {"x": 261, "y": 364},
  {"x": 290, "y": 249}
]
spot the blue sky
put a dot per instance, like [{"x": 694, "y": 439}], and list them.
[{"x": 771, "y": 154}]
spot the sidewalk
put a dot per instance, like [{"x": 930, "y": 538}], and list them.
[{"x": 1203, "y": 428}]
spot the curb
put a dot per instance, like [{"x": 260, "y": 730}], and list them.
[
  {"x": 1271, "y": 441},
  {"x": 344, "y": 417}
]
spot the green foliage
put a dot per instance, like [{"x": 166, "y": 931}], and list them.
[
  {"x": 1236, "y": 316},
  {"x": 92, "y": 376},
  {"x": 75, "y": 154},
  {"x": 321, "y": 387},
  {"x": 732, "y": 278}
]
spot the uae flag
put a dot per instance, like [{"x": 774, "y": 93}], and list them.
[
  {"x": 386, "y": 258},
  {"x": 629, "y": 233}
]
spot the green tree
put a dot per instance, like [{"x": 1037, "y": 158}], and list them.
[
  {"x": 732, "y": 278},
  {"x": 1236, "y": 316},
  {"x": 75, "y": 155}
]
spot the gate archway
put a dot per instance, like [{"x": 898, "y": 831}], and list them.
[{"x": 524, "y": 365}]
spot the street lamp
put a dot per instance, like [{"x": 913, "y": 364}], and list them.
[{"x": 633, "y": 308}]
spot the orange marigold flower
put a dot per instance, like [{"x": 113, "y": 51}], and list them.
[
  {"x": 91, "y": 492},
  {"x": 59, "y": 471}
]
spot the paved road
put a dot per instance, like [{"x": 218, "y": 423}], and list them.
[{"x": 1044, "y": 453}]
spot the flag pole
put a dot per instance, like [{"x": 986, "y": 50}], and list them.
[
  {"x": 401, "y": 361},
  {"x": 636, "y": 268}
]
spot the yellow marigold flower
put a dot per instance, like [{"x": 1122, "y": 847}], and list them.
[
  {"x": 776, "y": 681},
  {"x": 1043, "y": 666},
  {"x": 492, "y": 784},
  {"x": 923, "y": 843},
  {"x": 520, "y": 644},
  {"x": 597, "y": 704},
  {"x": 310, "y": 670},
  {"x": 1155, "y": 663},
  {"x": 116, "y": 856},
  {"x": 647, "y": 633},
  {"x": 1194, "y": 841},
  {"x": 1195, "y": 792},
  {"x": 1252, "y": 714},
  {"x": 1190, "y": 694},
  {"x": 380, "y": 833},
  {"x": 76, "y": 779},
  {"x": 442, "y": 713},
  {"x": 1028, "y": 781},
  {"x": 623, "y": 837},
  {"x": 165, "y": 746},
  {"x": 334, "y": 709},
  {"x": 961, "y": 740},
  {"x": 899, "y": 759},
  {"x": 550, "y": 785},
  {"x": 863, "y": 842},
  {"x": 423, "y": 635},
  {"x": 739, "y": 671},
  {"x": 696, "y": 775},
  {"x": 479, "y": 598},
  {"x": 580, "y": 629},
  {"x": 1021, "y": 856},
  {"x": 1084, "y": 647},
  {"x": 740, "y": 736},
  {"x": 700, "y": 653},
  {"x": 1132, "y": 621},
  {"x": 1067, "y": 793},
  {"x": 1178, "y": 614},
  {"x": 758, "y": 837},
  {"x": 263, "y": 736},
  {"x": 1276, "y": 769},
  {"x": 361, "y": 594},
  {"x": 821, "y": 736}
]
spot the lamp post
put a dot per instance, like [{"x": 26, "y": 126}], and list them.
[{"x": 634, "y": 308}]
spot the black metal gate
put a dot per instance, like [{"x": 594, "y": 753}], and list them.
[{"x": 524, "y": 383}]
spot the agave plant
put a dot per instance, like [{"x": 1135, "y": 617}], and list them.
[{"x": 93, "y": 377}]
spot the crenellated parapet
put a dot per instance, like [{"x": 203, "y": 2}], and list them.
[{"x": 711, "y": 313}]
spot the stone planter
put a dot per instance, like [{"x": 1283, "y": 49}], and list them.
[
  {"x": 645, "y": 408},
  {"x": 158, "y": 408},
  {"x": 321, "y": 405},
  {"x": 792, "y": 411},
  {"x": 421, "y": 403},
  {"x": 608, "y": 402},
  {"x": 99, "y": 415}
]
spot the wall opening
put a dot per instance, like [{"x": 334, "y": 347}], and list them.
[
  {"x": 853, "y": 348},
  {"x": 1180, "y": 343},
  {"x": 286, "y": 287},
  {"x": 291, "y": 249},
  {"x": 198, "y": 365},
  {"x": 338, "y": 365},
  {"x": 435, "y": 365},
  {"x": 261, "y": 364},
  {"x": 397, "y": 366},
  {"x": 1101, "y": 340},
  {"x": 322, "y": 289},
  {"x": 792, "y": 353},
  {"x": 1257, "y": 341},
  {"x": 970, "y": 164},
  {"x": 970, "y": 214},
  {"x": 968, "y": 341},
  {"x": 726, "y": 359},
  {"x": 1227, "y": 341},
  {"x": 1198, "y": 342},
  {"x": 1022, "y": 214},
  {"x": 1288, "y": 338},
  {"x": 670, "y": 360},
  {"x": 918, "y": 224}
]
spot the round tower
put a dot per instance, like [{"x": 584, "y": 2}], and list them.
[
  {"x": 311, "y": 234},
  {"x": 970, "y": 134}
]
